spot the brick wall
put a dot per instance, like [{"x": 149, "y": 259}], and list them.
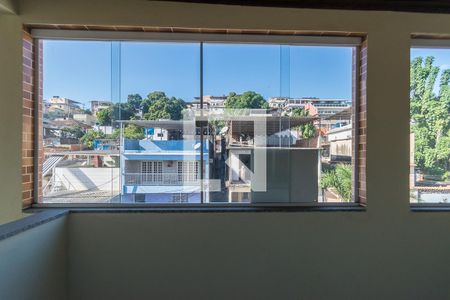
[
  {"x": 359, "y": 120},
  {"x": 28, "y": 117},
  {"x": 361, "y": 116},
  {"x": 29, "y": 65}
]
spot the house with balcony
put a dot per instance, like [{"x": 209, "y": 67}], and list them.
[
  {"x": 162, "y": 171},
  {"x": 267, "y": 158},
  {"x": 97, "y": 105}
]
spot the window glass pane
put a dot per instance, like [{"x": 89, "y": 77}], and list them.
[
  {"x": 127, "y": 126},
  {"x": 80, "y": 160},
  {"x": 161, "y": 153},
  {"x": 430, "y": 126},
  {"x": 321, "y": 86},
  {"x": 280, "y": 123}
]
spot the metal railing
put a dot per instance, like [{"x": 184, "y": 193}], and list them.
[{"x": 161, "y": 178}]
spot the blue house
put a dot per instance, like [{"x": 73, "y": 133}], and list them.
[{"x": 166, "y": 171}]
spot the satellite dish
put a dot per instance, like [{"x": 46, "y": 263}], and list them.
[
  {"x": 224, "y": 130},
  {"x": 197, "y": 146}
]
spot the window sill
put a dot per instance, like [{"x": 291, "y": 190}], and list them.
[
  {"x": 39, "y": 217},
  {"x": 164, "y": 208},
  {"x": 430, "y": 207}
]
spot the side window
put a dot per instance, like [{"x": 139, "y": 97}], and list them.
[{"x": 430, "y": 125}]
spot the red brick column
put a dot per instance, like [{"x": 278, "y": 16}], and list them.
[
  {"x": 28, "y": 119},
  {"x": 359, "y": 121},
  {"x": 362, "y": 124}
]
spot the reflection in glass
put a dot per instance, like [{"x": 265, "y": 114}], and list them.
[{"x": 271, "y": 141}]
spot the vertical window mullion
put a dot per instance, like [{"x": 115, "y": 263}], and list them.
[{"x": 201, "y": 126}]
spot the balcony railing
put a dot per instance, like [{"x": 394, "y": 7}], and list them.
[{"x": 161, "y": 179}]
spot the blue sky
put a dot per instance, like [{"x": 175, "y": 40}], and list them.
[
  {"x": 83, "y": 71},
  {"x": 442, "y": 56},
  {"x": 441, "y": 59}
]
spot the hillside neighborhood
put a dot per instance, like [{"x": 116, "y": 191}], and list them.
[
  {"x": 220, "y": 148},
  {"x": 163, "y": 150}
]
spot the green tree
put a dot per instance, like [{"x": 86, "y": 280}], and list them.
[
  {"x": 249, "y": 100},
  {"x": 307, "y": 130},
  {"x": 158, "y": 106},
  {"x": 72, "y": 132},
  {"x": 430, "y": 115},
  {"x": 133, "y": 132},
  {"x": 122, "y": 111},
  {"x": 118, "y": 111},
  {"x": 54, "y": 115},
  {"x": 91, "y": 135},
  {"x": 104, "y": 116},
  {"x": 151, "y": 99},
  {"x": 135, "y": 102},
  {"x": 340, "y": 179}
]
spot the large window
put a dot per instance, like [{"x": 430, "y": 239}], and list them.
[
  {"x": 198, "y": 122},
  {"x": 430, "y": 125}
]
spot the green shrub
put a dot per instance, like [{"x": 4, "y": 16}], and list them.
[{"x": 339, "y": 178}]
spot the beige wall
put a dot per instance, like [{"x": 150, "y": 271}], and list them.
[
  {"x": 306, "y": 255},
  {"x": 10, "y": 117},
  {"x": 387, "y": 85},
  {"x": 386, "y": 252},
  {"x": 7, "y": 7},
  {"x": 33, "y": 264}
]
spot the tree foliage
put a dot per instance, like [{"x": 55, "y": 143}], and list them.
[
  {"x": 54, "y": 115},
  {"x": 133, "y": 132},
  {"x": 123, "y": 111},
  {"x": 430, "y": 115},
  {"x": 91, "y": 135},
  {"x": 118, "y": 111},
  {"x": 135, "y": 102},
  {"x": 158, "y": 106},
  {"x": 340, "y": 179},
  {"x": 307, "y": 130},
  {"x": 104, "y": 117},
  {"x": 72, "y": 132},
  {"x": 249, "y": 99}
]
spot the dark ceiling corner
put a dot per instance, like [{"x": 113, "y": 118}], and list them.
[{"x": 429, "y": 6}]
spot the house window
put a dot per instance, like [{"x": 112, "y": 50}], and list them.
[
  {"x": 147, "y": 167},
  {"x": 152, "y": 171},
  {"x": 198, "y": 120},
  {"x": 430, "y": 122},
  {"x": 188, "y": 170}
]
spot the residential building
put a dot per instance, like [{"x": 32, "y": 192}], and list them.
[
  {"x": 324, "y": 108},
  {"x": 274, "y": 140},
  {"x": 97, "y": 105},
  {"x": 340, "y": 143},
  {"x": 87, "y": 119},
  {"x": 162, "y": 171},
  {"x": 106, "y": 129},
  {"x": 54, "y": 134},
  {"x": 277, "y": 102},
  {"x": 320, "y": 107},
  {"x": 215, "y": 102},
  {"x": 211, "y": 102},
  {"x": 63, "y": 105},
  {"x": 336, "y": 137}
]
